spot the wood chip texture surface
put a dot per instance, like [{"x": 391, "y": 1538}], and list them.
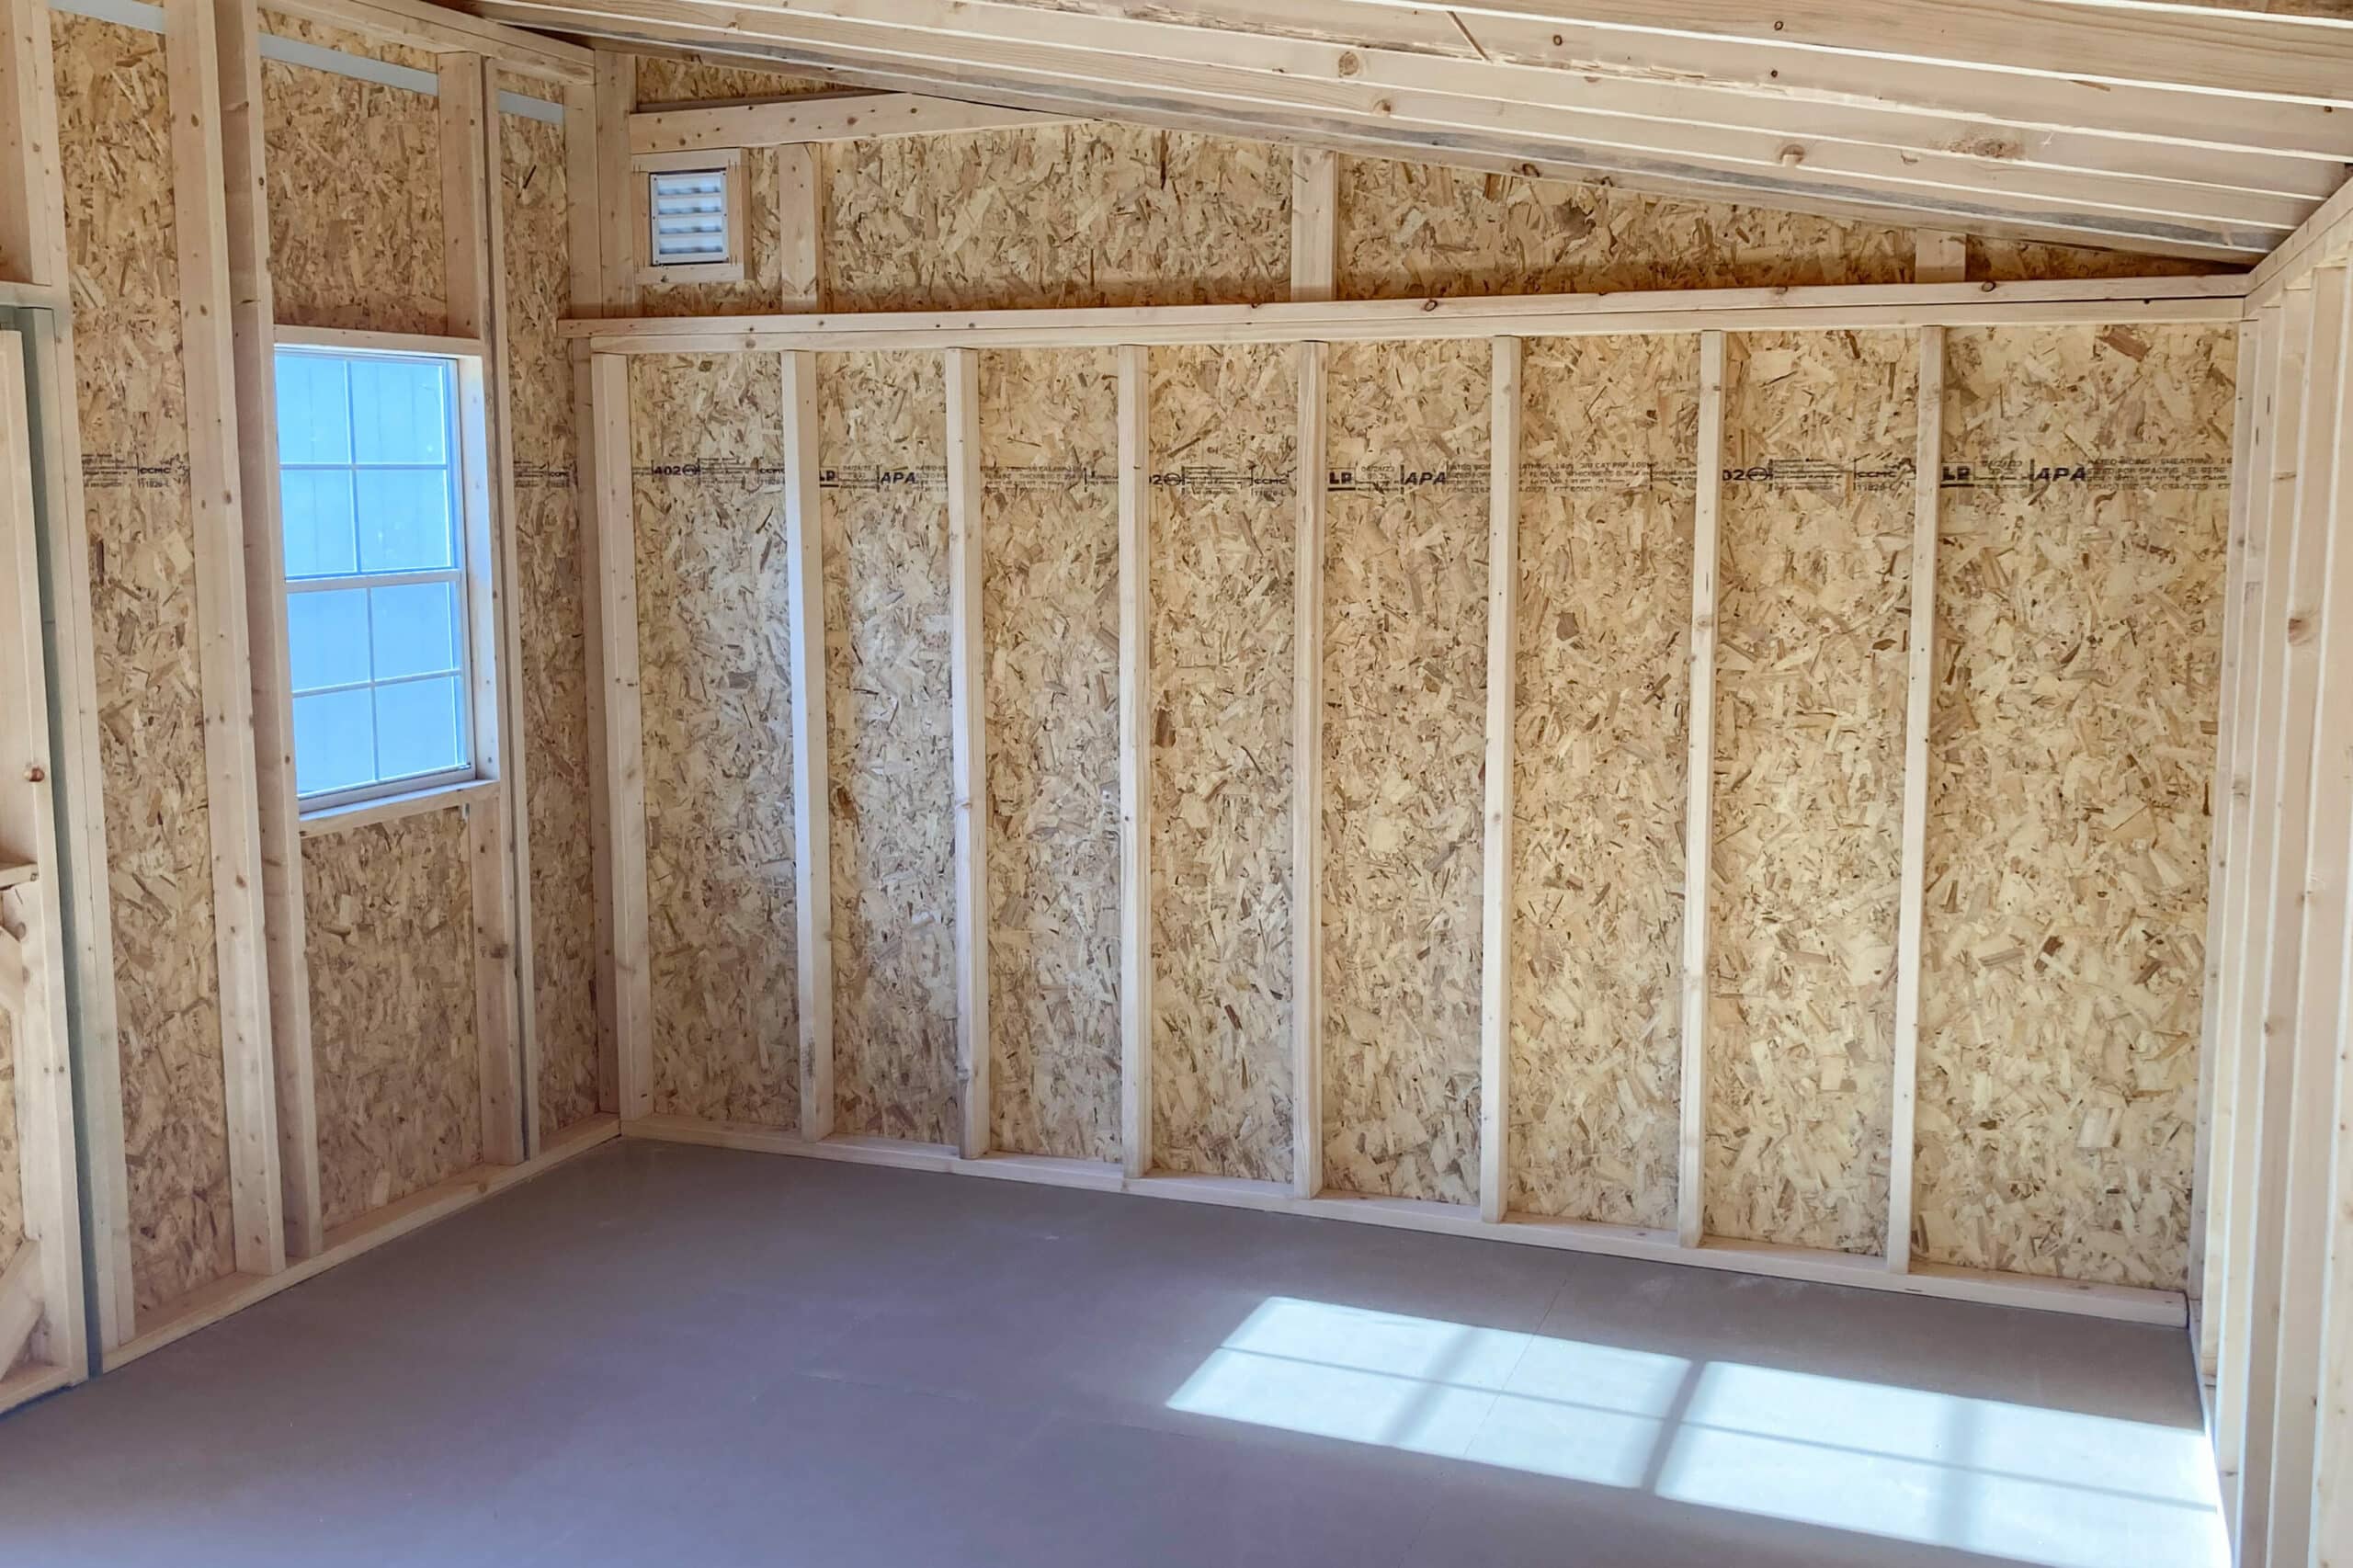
[
  {"x": 1051, "y": 647},
  {"x": 548, "y": 597},
  {"x": 115, "y": 136},
  {"x": 356, "y": 232},
  {"x": 1601, "y": 711},
  {"x": 1223, "y": 541},
  {"x": 392, "y": 955},
  {"x": 1404, "y": 728},
  {"x": 882, "y": 451},
  {"x": 1819, "y": 432},
  {"x": 2079, "y": 609},
  {"x": 714, "y": 685},
  {"x": 1408, "y": 230},
  {"x": 1059, "y": 215}
]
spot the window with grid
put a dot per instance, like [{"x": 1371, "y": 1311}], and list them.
[{"x": 375, "y": 574}]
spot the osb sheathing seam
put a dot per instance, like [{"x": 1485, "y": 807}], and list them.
[
  {"x": 1815, "y": 568},
  {"x": 1404, "y": 721},
  {"x": 390, "y": 947},
  {"x": 1223, "y": 542},
  {"x": 2079, "y": 583},
  {"x": 355, "y": 191},
  {"x": 114, "y": 135},
  {"x": 1601, "y": 708},
  {"x": 882, "y": 455},
  {"x": 1051, "y": 647},
  {"x": 1058, "y": 215},
  {"x": 663, "y": 79},
  {"x": 713, "y": 639},
  {"x": 1408, "y": 230},
  {"x": 548, "y": 597}
]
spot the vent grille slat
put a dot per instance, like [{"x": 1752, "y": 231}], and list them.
[{"x": 690, "y": 217}]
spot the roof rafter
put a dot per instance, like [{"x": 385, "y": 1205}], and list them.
[{"x": 2196, "y": 163}]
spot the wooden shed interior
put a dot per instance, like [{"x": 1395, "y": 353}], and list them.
[{"x": 1718, "y": 636}]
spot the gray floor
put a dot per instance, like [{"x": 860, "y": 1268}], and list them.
[{"x": 667, "y": 1355}]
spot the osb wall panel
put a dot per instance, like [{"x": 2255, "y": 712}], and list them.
[
  {"x": 882, "y": 450},
  {"x": 355, "y": 191},
  {"x": 1412, "y": 229},
  {"x": 1067, "y": 215},
  {"x": 548, "y": 597},
  {"x": 2079, "y": 603},
  {"x": 1405, "y": 720},
  {"x": 2009, "y": 261},
  {"x": 1601, "y": 708},
  {"x": 692, "y": 79},
  {"x": 114, "y": 129},
  {"x": 1816, "y": 567},
  {"x": 392, "y": 964},
  {"x": 1223, "y": 542},
  {"x": 712, "y": 646},
  {"x": 346, "y": 40},
  {"x": 1051, "y": 629}
]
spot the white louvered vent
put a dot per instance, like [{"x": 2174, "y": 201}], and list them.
[{"x": 690, "y": 213}]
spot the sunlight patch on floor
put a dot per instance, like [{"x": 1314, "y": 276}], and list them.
[{"x": 2011, "y": 1482}]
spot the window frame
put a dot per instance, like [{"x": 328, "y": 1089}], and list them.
[{"x": 471, "y": 577}]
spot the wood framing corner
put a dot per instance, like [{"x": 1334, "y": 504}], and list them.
[
  {"x": 1920, "y": 654},
  {"x": 473, "y": 291},
  {"x": 506, "y": 618},
  {"x": 812, "y": 777},
  {"x": 617, "y": 782},
  {"x": 32, "y": 213},
  {"x": 216, "y": 496},
  {"x": 1698, "y": 825},
  {"x": 41, "y": 1296},
  {"x": 969, "y": 749},
  {"x": 1312, "y": 360},
  {"x": 1315, "y": 223},
  {"x": 252, "y": 316},
  {"x": 1135, "y": 758},
  {"x": 1502, "y": 648}
]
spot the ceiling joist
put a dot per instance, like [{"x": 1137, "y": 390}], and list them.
[
  {"x": 437, "y": 29},
  {"x": 2205, "y": 133}
]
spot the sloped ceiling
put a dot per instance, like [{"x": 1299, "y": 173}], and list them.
[{"x": 2169, "y": 129}]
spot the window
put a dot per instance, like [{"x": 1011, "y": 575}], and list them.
[{"x": 377, "y": 626}]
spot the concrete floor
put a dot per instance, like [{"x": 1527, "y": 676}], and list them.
[{"x": 669, "y": 1355}]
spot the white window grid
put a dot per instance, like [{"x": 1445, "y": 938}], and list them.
[{"x": 456, "y": 575}]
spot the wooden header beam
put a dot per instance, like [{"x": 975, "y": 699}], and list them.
[
  {"x": 848, "y": 116},
  {"x": 1878, "y": 307}
]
